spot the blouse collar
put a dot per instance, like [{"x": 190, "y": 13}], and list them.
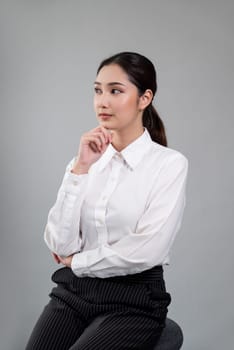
[{"x": 132, "y": 154}]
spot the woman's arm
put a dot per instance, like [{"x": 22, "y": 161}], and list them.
[
  {"x": 62, "y": 230},
  {"x": 62, "y": 234},
  {"x": 149, "y": 245}
]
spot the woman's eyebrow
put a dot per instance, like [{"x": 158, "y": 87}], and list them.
[{"x": 110, "y": 84}]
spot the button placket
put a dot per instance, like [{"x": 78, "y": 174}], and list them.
[{"x": 101, "y": 207}]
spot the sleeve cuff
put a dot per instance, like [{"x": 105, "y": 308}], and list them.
[
  {"x": 79, "y": 264},
  {"x": 73, "y": 183}
]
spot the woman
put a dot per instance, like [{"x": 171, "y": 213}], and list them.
[{"x": 117, "y": 212}]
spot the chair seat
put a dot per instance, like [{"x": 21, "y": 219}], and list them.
[{"x": 171, "y": 338}]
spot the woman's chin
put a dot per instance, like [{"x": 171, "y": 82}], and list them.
[{"x": 107, "y": 124}]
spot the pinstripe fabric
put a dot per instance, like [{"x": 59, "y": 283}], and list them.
[{"x": 135, "y": 308}]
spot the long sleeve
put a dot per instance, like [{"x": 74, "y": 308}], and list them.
[
  {"x": 156, "y": 229},
  {"x": 62, "y": 230}
]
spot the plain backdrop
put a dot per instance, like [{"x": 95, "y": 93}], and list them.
[{"x": 49, "y": 52}]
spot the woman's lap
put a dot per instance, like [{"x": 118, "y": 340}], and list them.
[
  {"x": 59, "y": 328},
  {"x": 132, "y": 317},
  {"x": 120, "y": 331}
]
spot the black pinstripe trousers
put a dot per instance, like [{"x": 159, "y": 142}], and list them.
[{"x": 134, "y": 309}]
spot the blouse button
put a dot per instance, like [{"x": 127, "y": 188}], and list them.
[{"x": 117, "y": 156}]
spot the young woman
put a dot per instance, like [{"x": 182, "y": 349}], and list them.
[{"x": 117, "y": 212}]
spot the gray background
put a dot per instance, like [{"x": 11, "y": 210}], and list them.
[{"x": 49, "y": 54}]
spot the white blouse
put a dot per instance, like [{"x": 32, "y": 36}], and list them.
[{"x": 122, "y": 217}]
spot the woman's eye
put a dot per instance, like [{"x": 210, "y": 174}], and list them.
[
  {"x": 115, "y": 91},
  {"x": 97, "y": 91}
]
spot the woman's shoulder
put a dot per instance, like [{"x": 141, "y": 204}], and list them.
[
  {"x": 167, "y": 155},
  {"x": 168, "y": 164}
]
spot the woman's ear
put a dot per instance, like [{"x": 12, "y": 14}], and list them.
[{"x": 145, "y": 99}]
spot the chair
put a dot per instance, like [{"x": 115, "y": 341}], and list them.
[{"x": 171, "y": 338}]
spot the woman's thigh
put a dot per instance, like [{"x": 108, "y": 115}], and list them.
[
  {"x": 57, "y": 328},
  {"x": 120, "y": 331}
]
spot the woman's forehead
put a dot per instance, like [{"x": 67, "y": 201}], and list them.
[{"x": 112, "y": 74}]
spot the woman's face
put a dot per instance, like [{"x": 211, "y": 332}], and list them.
[{"x": 116, "y": 99}]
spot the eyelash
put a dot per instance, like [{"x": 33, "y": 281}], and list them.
[
  {"x": 118, "y": 91},
  {"x": 97, "y": 91},
  {"x": 113, "y": 91}
]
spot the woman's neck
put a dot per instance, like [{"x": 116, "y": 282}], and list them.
[{"x": 120, "y": 140}]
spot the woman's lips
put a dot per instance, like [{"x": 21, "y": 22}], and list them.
[{"x": 104, "y": 116}]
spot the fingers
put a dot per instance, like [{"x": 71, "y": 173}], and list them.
[
  {"x": 97, "y": 138},
  {"x": 94, "y": 141},
  {"x": 56, "y": 258},
  {"x": 92, "y": 145},
  {"x": 66, "y": 261},
  {"x": 101, "y": 140},
  {"x": 105, "y": 132}
]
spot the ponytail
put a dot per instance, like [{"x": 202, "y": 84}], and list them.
[{"x": 154, "y": 125}]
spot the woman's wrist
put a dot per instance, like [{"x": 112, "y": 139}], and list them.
[{"x": 80, "y": 169}]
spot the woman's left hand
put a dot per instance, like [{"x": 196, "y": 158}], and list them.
[{"x": 65, "y": 261}]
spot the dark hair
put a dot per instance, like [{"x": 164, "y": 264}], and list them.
[{"x": 142, "y": 74}]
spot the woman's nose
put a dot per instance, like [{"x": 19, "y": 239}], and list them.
[{"x": 103, "y": 100}]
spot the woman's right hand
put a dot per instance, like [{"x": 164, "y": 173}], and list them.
[{"x": 92, "y": 145}]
